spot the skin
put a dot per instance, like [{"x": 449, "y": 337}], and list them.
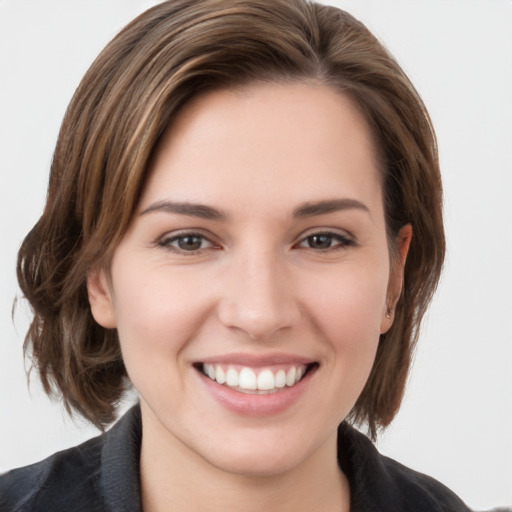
[{"x": 257, "y": 284}]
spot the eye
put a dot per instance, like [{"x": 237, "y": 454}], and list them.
[
  {"x": 325, "y": 241},
  {"x": 186, "y": 242}
]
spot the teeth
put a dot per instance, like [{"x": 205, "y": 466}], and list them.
[
  {"x": 232, "y": 378},
  {"x": 266, "y": 380},
  {"x": 280, "y": 380},
  {"x": 247, "y": 379},
  {"x": 220, "y": 376},
  {"x": 290, "y": 376}
]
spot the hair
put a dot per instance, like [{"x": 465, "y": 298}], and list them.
[{"x": 134, "y": 89}]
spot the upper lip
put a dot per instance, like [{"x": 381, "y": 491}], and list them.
[{"x": 257, "y": 360}]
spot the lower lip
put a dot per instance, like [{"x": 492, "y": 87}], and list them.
[{"x": 256, "y": 404}]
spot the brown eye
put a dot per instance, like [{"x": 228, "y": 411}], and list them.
[
  {"x": 321, "y": 241},
  {"x": 325, "y": 241},
  {"x": 190, "y": 242},
  {"x": 186, "y": 243}
]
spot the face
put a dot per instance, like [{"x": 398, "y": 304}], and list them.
[{"x": 252, "y": 286}]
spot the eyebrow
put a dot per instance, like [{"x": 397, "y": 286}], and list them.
[
  {"x": 192, "y": 209},
  {"x": 203, "y": 211},
  {"x": 325, "y": 207}
]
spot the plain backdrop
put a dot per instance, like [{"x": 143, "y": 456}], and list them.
[{"x": 456, "y": 419}]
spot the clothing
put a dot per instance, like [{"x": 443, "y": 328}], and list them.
[{"x": 102, "y": 475}]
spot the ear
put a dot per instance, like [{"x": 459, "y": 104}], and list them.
[
  {"x": 100, "y": 298},
  {"x": 396, "y": 276}
]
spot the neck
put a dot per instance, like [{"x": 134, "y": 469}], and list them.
[{"x": 174, "y": 478}]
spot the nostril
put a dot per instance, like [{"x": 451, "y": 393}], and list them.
[
  {"x": 256, "y": 319},
  {"x": 257, "y": 298}
]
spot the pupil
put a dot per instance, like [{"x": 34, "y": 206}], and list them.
[
  {"x": 320, "y": 241},
  {"x": 190, "y": 243}
]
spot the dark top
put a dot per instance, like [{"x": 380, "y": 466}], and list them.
[{"x": 102, "y": 474}]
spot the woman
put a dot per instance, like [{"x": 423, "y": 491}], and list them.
[{"x": 244, "y": 222}]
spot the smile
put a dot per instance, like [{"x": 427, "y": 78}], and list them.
[{"x": 255, "y": 381}]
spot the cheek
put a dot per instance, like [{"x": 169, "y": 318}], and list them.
[
  {"x": 350, "y": 305},
  {"x": 157, "y": 313},
  {"x": 346, "y": 313},
  {"x": 348, "y": 316}
]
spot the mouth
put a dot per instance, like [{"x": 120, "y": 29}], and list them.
[{"x": 260, "y": 381}]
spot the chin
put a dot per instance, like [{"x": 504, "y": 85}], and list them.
[
  {"x": 265, "y": 454},
  {"x": 260, "y": 464}
]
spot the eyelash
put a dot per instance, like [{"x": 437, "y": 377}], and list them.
[
  {"x": 341, "y": 242},
  {"x": 167, "y": 241}
]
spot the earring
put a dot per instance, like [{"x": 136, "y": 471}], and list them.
[{"x": 388, "y": 314}]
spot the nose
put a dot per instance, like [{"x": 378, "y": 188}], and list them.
[{"x": 258, "y": 296}]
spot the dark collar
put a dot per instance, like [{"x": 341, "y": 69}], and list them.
[
  {"x": 377, "y": 483},
  {"x": 120, "y": 459}
]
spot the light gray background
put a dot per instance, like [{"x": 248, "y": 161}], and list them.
[{"x": 456, "y": 420}]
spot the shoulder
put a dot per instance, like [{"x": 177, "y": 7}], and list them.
[
  {"x": 381, "y": 484},
  {"x": 100, "y": 474},
  {"x": 420, "y": 488},
  {"x": 66, "y": 480}
]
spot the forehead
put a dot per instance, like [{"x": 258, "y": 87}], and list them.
[{"x": 287, "y": 139}]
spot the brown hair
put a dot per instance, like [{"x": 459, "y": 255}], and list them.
[{"x": 132, "y": 92}]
